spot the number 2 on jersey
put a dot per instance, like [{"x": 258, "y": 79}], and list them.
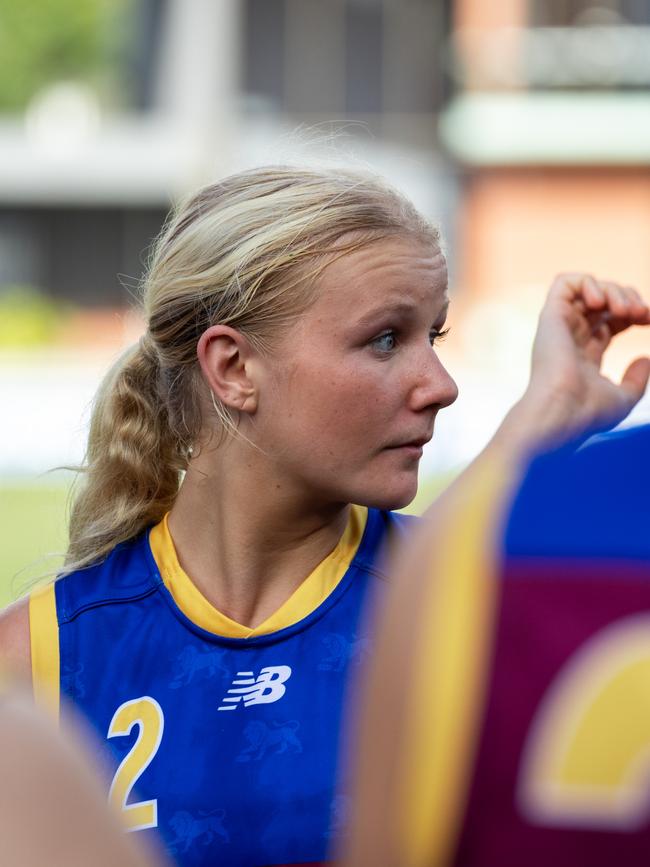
[{"x": 146, "y": 713}]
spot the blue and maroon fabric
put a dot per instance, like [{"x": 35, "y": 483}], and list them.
[{"x": 563, "y": 769}]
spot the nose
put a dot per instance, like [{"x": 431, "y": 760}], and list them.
[{"x": 434, "y": 386}]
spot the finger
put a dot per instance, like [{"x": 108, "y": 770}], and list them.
[
  {"x": 635, "y": 297},
  {"x": 638, "y": 309},
  {"x": 632, "y": 309},
  {"x": 639, "y": 305},
  {"x": 635, "y": 379},
  {"x": 617, "y": 301},
  {"x": 570, "y": 285},
  {"x": 592, "y": 293},
  {"x": 614, "y": 324},
  {"x": 598, "y": 337},
  {"x": 582, "y": 290},
  {"x": 625, "y": 308}
]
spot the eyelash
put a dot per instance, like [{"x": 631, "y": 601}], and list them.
[
  {"x": 438, "y": 336},
  {"x": 434, "y": 337}
]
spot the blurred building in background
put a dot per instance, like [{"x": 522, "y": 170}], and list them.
[
  {"x": 549, "y": 123},
  {"x": 522, "y": 126},
  {"x": 206, "y": 87}
]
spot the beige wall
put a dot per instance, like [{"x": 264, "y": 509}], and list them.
[
  {"x": 498, "y": 13},
  {"x": 520, "y": 227}
]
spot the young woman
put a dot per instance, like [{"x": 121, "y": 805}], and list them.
[{"x": 241, "y": 463}]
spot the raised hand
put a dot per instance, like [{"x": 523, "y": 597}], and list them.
[
  {"x": 576, "y": 325},
  {"x": 567, "y": 393}
]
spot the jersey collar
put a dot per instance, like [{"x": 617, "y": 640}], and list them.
[{"x": 304, "y": 600}]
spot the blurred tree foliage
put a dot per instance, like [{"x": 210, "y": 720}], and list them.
[
  {"x": 28, "y": 318},
  {"x": 43, "y": 41}
]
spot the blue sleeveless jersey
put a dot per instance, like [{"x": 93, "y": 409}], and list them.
[{"x": 227, "y": 747}]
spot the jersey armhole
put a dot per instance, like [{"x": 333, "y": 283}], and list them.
[{"x": 44, "y": 643}]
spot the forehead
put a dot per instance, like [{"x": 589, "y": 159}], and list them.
[{"x": 386, "y": 273}]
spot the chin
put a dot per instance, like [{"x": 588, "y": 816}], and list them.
[{"x": 388, "y": 500}]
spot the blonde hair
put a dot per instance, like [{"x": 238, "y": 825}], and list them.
[{"x": 246, "y": 252}]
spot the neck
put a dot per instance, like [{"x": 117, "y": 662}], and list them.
[{"x": 246, "y": 537}]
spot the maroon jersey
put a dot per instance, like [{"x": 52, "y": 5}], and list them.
[
  {"x": 508, "y": 719},
  {"x": 563, "y": 769}
]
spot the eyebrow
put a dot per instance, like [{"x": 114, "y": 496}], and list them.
[{"x": 404, "y": 308}]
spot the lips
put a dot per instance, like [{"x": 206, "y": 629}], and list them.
[{"x": 414, "y": 443}]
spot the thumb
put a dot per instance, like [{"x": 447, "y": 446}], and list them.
[{"x": 635, "y": 379}]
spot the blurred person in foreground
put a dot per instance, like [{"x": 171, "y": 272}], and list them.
[
  {"x": 508, "y": 714},
  {"x": 53, "y": 809},
  {"x": 243, "y": 463}
]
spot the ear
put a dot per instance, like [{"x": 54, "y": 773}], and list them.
[{"x": 227, "y": 362}]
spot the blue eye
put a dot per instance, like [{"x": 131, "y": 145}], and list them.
[{"x": 385, "y": 342}]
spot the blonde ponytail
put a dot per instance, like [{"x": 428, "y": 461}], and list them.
[
  {"x": 245, "y": 252},
  {"x": 133, "y": 461}
]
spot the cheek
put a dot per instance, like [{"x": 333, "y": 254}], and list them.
[
  {"x": 329, "y": 415},
  {"x": 334, "y": 405},
  {"x": 356, "y": 409}
]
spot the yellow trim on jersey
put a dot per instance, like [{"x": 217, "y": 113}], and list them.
[
  {"x": 305, "y": 599},
  {"x": 44, "y": 641},
  {"x": 450, "y": 667}
]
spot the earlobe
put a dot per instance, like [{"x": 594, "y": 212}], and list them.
[
  {"x": 226, "y": 360},
  {"x": 247, "y": 403}
]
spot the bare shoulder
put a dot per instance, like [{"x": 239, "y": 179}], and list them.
[{"x": 15, "y": 650}]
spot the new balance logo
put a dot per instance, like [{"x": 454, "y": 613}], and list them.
[{"x": 267, "y": 687}]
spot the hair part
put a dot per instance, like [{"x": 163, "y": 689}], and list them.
[{"x": 246, "y": 252}]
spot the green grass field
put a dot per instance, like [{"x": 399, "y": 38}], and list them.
[
  {"x": 32, "y": 522},
  {"x": 33, "y": 519}
]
